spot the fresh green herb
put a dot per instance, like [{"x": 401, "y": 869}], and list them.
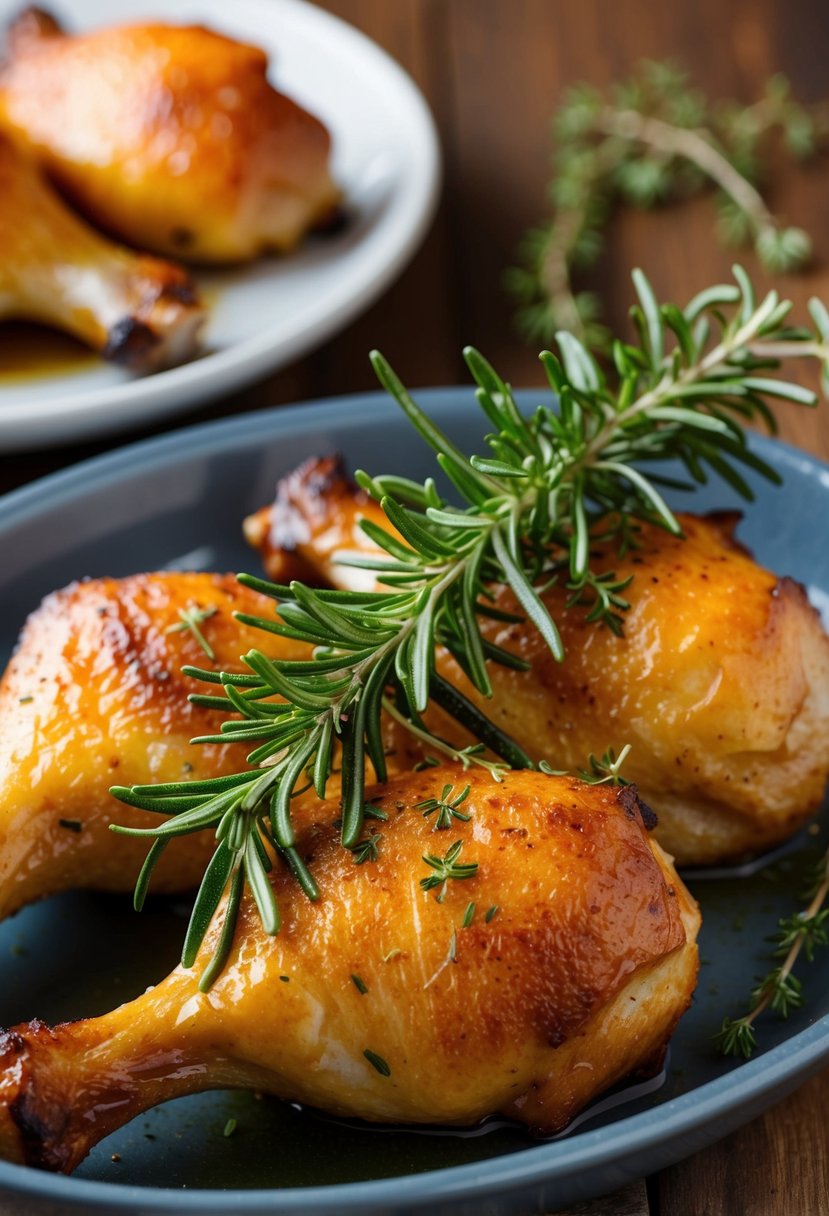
[
  {"x": 25, "y": 700},
  {"x": 655, "y": 138},
  {"x": 780, "y": 990},
  {"x": 468, "y": 916},
  {"x": 285, "y": 979},
  {"x": 491, "y": 913},
  {"x": 192, "y": 619},
  {"x": 377, "y": 1062},
  {"x": 426, "y": 762},
  {"x": 604, "y": 771},
  {"x": 446, "y": 869},
  {"x": 369, "y": 812},
  {"x": 453, "y": 946},
  {"x": 602, "y": 595},
  {"x": 359, "y": 984},
  {"x": 446, "y": 807},
  {"x": 550, "y": 482},
  {"x": 366, "y": 850},
  {"x": 230, "y": 1127},
  {"x": 71, "y": 825}
]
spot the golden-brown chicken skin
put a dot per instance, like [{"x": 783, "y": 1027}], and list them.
[
  {"x": 94, "y": 697},
  {"x": 135, "y": 310},
  {"x": 314, "y": 517},
  {"x": 577, "y": 979},
  {"x": 169, "y": 136},
  {"x": 720, "y": 683}
]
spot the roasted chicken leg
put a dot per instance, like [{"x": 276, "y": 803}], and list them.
[
  {"x": 169, "y": 136},
  {"x": 133, "y": 309},
  {"x": 720, "y": 682},
  {"x": 94, "y": 696},
  {"x": 576, "y": 980}
]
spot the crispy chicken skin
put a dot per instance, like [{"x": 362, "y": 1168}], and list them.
[
  {"x": 577, "y": 981},
  {"x": 315, "y": 516},
  {"x": 133, "y": 309},
  {"x": 720, "y": 683},
  {"x": 93, "y": 697},
  {"x": 169, "y": 136}
]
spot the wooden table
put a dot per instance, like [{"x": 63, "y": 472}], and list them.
[{"x": 492, "y": 71}]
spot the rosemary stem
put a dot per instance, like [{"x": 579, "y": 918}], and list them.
[
  {"x": 452, "y": 700},
  {"x": 713, "y": 361},
  {"x": 444, "y": 577},
  {"x": 438, "y": 744}
]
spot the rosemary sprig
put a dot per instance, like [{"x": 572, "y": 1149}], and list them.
[
  {"x": 654, "y": 139},
  {"x": 528, "y": 510},
  {"x": 780, "y": 990}
]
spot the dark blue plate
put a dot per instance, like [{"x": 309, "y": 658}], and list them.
[{"x": 179, "y": 501}]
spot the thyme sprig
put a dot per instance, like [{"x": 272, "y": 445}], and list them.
[
  {"x": 447, "y": 806},
  {"x": 601, "y": 770},
  {"x": 656, "y": 137},
  {"x": 527, "y": 510},
  {"x": 446, "y": 869},
  {"x": 780, "y": 990},
  {"x": 191, "y": 618},
  {"x": 367, "y": 849}
]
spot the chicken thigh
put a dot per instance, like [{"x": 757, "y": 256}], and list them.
[
  {"x": 571, "y": 971},
  {"x": 169, "y": 136},
  {"x": 133, "y": 309},
  {"x": 720, "y": 683},
  {"x": 93, "y": 697}
]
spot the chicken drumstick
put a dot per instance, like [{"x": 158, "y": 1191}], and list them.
[
  {"x": 93, "y": 697},
  {"x": 720, "y": 682},
  {"x": 133, "y": 309},
  {"x": 576, "y": 979},
  {"x": 169, "y": 136}
]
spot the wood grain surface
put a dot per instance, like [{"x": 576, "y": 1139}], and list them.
[{"x": 492, "y": 71}]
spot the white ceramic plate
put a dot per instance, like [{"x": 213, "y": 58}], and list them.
[{"x": 387, "y": 160}]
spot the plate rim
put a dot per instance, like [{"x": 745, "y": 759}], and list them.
[
  {"x": 74, "y": 415},
  {"x": 741, "y": 1092}
]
